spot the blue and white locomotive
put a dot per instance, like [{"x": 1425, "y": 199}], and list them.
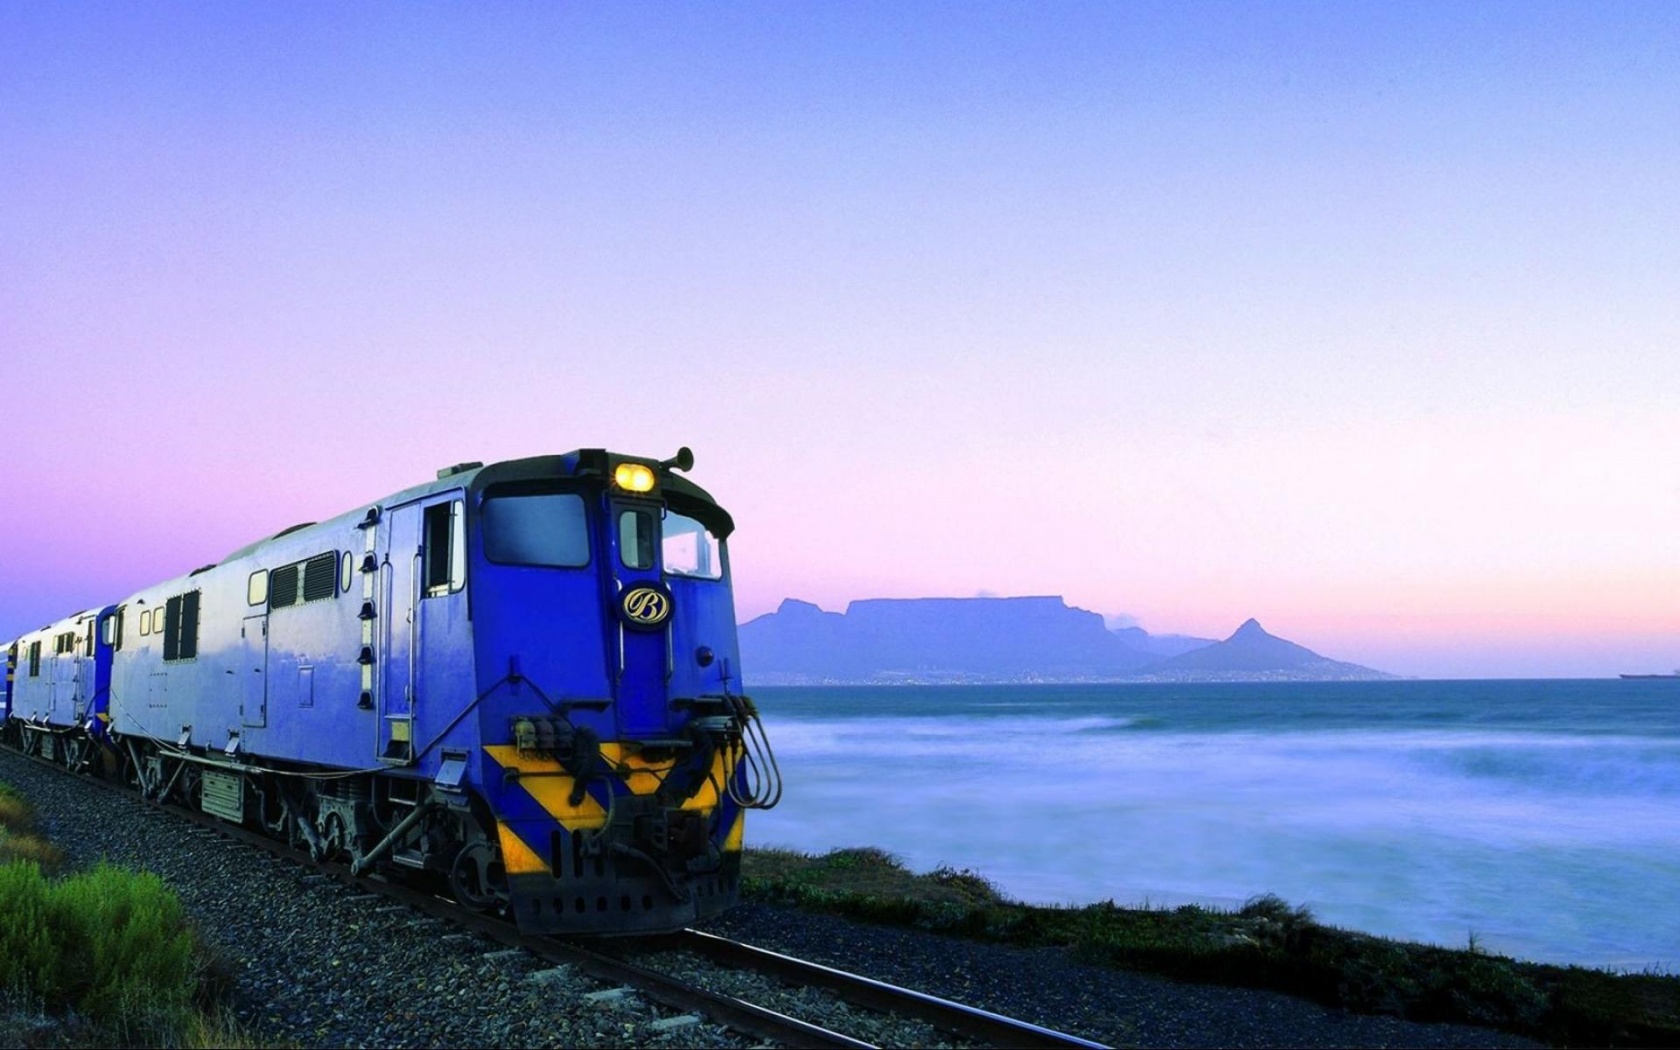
[{"x": 520, "y": 679}]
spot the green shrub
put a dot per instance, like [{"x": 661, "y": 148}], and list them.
[
  {"x": 109, "y": 946},
  {"x": 28, "y": 945},
  {"x": 128, "y": 943}
]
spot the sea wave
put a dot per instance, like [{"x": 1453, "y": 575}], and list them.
[{"x": 1554, "y": 844}]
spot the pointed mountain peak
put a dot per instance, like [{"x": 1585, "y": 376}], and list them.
[
  {"x": 795, "y": 607},
  {"x": 1249, "y": 631}
]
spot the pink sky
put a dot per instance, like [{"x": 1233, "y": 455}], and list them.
[{"x": 1361, "y": 324}]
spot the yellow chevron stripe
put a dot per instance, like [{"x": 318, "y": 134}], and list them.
[
  {"x": 551, "y": 789},
  {"x": 707, "y": 797},
  {"x": 737, "y": 833},
  {"x": 641, "y": 776},
  {"x": 518, "y": 858}
]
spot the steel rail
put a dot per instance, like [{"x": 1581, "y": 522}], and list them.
[{"x": 969, "y": 1021}]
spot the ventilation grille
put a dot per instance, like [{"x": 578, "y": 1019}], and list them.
[
  {"x": 283, "y": 587},
  {"x": 320, "y": 577},
  {"x": 310, "y": 580}
]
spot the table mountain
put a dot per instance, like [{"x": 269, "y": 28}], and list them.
[
  {"x": 936, "y": 639},
  {"x": 1037, "y": 639}
]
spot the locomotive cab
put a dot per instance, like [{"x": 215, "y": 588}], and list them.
[{"x": 613, "y": 730}]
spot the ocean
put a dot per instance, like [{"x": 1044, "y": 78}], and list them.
[{"x": 1541, "y": 818}]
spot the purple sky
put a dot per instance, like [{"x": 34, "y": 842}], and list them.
[{"x": 1361, "y": 320}]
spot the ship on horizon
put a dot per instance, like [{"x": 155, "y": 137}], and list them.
[{"x": 1675, "y": 674}]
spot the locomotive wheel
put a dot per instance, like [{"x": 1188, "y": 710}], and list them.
[
  {"x": 474, "y": 875},
  {"x": 334, "y": 838}
]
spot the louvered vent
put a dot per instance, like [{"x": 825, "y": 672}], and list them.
[
  {"x": 189, "y": 625},
  {"x": 172, "y": 629},
  {"x": 320, "y": 577},
  {"x": 283, "y": 587}
]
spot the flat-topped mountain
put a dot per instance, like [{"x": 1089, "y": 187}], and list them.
[
  {"x": 935, "y": 639},
  {"x": 1036, "y": 639},
  {"x": 1252, "y": 653}
]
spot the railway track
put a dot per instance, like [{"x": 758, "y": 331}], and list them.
[
  {"x": 970, "y": 1022},
  {"x": 618, "y": 968}
]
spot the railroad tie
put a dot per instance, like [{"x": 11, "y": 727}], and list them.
[{"x": 670, "y": 1023}]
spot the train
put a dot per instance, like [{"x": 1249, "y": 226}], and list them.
[{"x": 519, "y": 682}]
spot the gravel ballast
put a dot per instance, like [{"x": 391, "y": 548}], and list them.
[{"x": 317, "y": 965}]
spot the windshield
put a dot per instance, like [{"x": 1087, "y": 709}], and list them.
[
  {"x": 546, "y": 528},
  {"x": 689, "y": 550}
]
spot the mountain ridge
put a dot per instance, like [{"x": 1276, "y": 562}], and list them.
[
  {"x": 1038, "y": 638},
  {"x": 1253, "y": 651}
]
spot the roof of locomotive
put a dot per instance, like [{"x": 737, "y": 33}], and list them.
[
  {"x": 595, "y": 463},
  {"x": 61, "y": 624},
  {"x": 579, "y": 463}
]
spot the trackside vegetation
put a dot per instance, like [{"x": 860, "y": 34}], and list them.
[
  {"x": 1264, "y": 944},
  {"x": 103, "y": 957}
]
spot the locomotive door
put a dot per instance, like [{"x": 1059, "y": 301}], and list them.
[
  {"x": 253, "y": 700},
  {"x": 81, "y": 675},
  {"x": 62, "y": 679},
  {"x": 424, "y": 573},
  {"x": 643, "y": 605},
  {"x": 398, "y": 593}
]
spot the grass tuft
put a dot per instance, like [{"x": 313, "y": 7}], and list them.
[
  {"x": 15, "y": 814},
  {"x": 18, "y": 840},
  {"x": 30, "y": 849}
]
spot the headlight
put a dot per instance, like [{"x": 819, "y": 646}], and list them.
[{"x": 633, "y": 477}]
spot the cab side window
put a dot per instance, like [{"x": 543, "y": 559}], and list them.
[{"x": 445, "y": 561}]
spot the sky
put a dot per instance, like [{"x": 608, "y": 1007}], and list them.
[{"x": 1360, "y": 319}]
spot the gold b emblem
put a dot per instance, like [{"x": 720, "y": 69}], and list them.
[{"x": 646, "y": 606}]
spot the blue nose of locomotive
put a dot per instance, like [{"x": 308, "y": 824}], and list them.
[{"x": 614, "y": 763}]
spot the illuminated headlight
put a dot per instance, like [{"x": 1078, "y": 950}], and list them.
[{"x": 633, "y": 477}]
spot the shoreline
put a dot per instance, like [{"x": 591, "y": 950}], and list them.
[{"x": 1264, "y": 944}]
